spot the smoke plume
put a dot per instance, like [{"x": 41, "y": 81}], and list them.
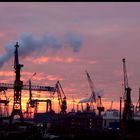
[{"x": 29, "y": 43}]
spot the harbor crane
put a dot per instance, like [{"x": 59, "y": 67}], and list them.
[
  {"x": 17, "y": 108},
  {"x": 93, "y": 96},
  {"x": 127, "y": 112},
  {"x": 61, "y": 97},
  {"x": 18, "y": 87},
  {"x": 33, "y": 103},
  {"x": 29, "y": 87}
]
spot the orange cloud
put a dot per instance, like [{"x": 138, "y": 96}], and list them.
[
  {"x": 42, "y": 60},
  {"x": 54, "y": 78},
  {"x": 6, "y": 73}
]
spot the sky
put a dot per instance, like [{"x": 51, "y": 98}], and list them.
[{"x": 60, "y": 40}]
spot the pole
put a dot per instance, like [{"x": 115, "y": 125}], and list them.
[{"x": 120, "y": 108}]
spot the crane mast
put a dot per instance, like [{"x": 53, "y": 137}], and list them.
[
  {"x": 17, "y": 109},
  {"x": 100, "y": 107},
  {"x": 127, "y": 113}
]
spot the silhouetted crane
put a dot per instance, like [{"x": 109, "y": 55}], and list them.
[
  {"x": 93, "y": 96},
  {"x": 17, "y": 108},
  {"x": 128, "y": 112},
  {"x": 18, "y": 87},
  {"x": 61, "y": 98}
]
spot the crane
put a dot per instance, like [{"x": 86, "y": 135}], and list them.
[
  {"x": 30, "y": 103},
  {"x": 93, "y": 96},
  {"x": 33, "y": 103},
  {"x": 127, "y": 112},
  {"x": 18, "y": 87},
  {"x": 61, "y": 97},
  {"x": 29, "y": 87},
  {"x": 17, "y": 108}
]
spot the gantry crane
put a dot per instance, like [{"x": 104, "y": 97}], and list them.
[
  {"x": 33, "y": 103},
  {"x": 93, "y": 96},
  {"x": 127, "y": 112}
]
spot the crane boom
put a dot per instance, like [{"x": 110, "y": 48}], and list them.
[
  {"x": 93, "y": 96},
  {"x": 6, "y": 86},
  {"x": 125, "y": 75}
]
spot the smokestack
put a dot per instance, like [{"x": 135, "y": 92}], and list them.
[{"x": 29, "y": 43}]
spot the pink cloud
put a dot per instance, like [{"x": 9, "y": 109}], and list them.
[{"x": 42, "y": 60}]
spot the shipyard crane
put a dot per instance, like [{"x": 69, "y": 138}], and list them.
[
  {"x": 61, "y": 97},
  {"x": 30, "y": 104},
  {"x": 127, "y": 112},
  {"x": 93, "y": 95},
  {"x": 33, "y": 103},
  {"x": 17, "y": 108},
  {"x": 18, "y": 87},
  {"x": 29, "y": 87}
]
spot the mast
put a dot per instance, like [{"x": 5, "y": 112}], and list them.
[
  {"x": 17, "y": 108},
  {"x": 127, "y": 113}
]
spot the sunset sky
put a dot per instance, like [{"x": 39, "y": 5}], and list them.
[{"x": 60, "y": 40}]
